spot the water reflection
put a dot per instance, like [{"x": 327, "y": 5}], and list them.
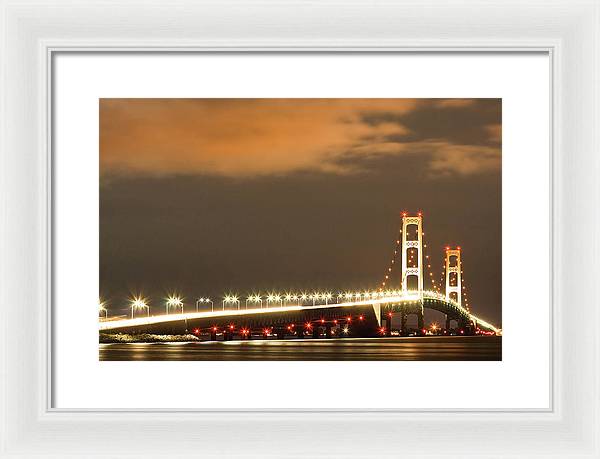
[{"x": 426, "y": 348}]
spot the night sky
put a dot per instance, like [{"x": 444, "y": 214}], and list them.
[{"x": 204, "y": 197}]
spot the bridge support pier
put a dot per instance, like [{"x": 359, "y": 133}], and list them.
[
  {"x": 421, "y": 322},
  {"x": 403, "y": 330},
  {"x": 388, "y": 327},
  {"x": 315, "y": 332}
]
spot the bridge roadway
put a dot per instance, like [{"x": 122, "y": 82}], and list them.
[{"x": 362, "y": 318}]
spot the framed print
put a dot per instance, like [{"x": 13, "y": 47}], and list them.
[
  {"x": 345, "y": 141},
  {"x": 311, "y": 222}
]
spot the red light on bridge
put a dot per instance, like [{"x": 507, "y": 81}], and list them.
[
  {"x": 196, "y": 331},
  {"x": 289, "y": 327},
  {"x": 214, "y": 329},
  {"x": 231, "y": 327},
  {"x": 360, "y": 317},
  {"x": 322, "y": 321},
  {"x": 335, "y": 322},
  {"x": 420, "y": 214},
  {"x": 462, "y": 332},
  {"x": 424, "y": 331},
  {"x": 447, "y": 248},
  {"x": 404, "y": 214},
  {"x": 308, "y": 325},
  {"x": 389, "y": 314},
  {"x": 349, "y": 319},
  {"x": 458, "y": 248},
  {"x": 382, "y": 330}
]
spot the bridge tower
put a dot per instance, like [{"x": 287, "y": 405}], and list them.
[
  {"x": 454, "y": 268},
  {"x": 416, "y": 244}
]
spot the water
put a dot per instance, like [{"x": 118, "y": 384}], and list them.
[{"x": 423, "y": 348}]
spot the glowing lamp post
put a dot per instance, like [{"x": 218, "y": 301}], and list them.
[
  {"x": 254, "y": 300},
  {"x": 102, "y": 309},
  {"x": 207, "y": 301},
  {"x": 173, "y": 302},
  {"x": 139, "y": 303},
  {"x": 231, "y": 299}
]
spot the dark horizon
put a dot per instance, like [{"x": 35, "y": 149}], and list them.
[{"x": 204, "y": 197}]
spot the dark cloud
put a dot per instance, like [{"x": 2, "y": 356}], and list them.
[{"x": 456, "y": 121}]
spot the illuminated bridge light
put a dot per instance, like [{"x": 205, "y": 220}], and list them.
[
  {"x": 138, "y": 302},
  {"x": 102, "y": 308}
]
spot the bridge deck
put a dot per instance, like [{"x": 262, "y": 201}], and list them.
[{"x": 295, "y": 312}]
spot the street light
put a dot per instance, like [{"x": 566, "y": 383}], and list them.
[
  {"x": 173, "y": 302},
  {"x": 138, "y": 302},
  {"x": 254, "y": 299},
  {"x": 102, "y": 309},
  {"x": 258, "y": 300},
  {"x": 288, "y": 298},
  {"x": 205, "y": 300},
  {"x": 327, "y": 296},
  {"x": 231, "y": 299}
]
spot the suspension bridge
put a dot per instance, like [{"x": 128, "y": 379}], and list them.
[{"x": 352, "y": 314}]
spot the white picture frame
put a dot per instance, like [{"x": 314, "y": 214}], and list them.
[{"x": 32, "y": 32}]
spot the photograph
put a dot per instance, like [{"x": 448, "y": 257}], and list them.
[{"x": 291, "y": 229}]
